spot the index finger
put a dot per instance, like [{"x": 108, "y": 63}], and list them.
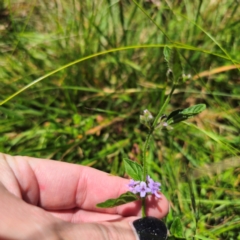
[{"x": 66, "y": 186}]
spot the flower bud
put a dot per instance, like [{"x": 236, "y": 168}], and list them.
[{"x": 147, "y": 118}]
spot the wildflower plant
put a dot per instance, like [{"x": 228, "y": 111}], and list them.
[{"x": 141, "y": 184}]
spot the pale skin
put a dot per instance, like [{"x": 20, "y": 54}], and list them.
[{"x": 46, "y": 199}]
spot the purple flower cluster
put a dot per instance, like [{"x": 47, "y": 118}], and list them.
[{"x": 145, "y": 187}]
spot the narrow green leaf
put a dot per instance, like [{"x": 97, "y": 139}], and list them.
[
  {"x": 177, "y": 66},
  {"x": 193, "y": 110},
  {"x": 183, "y": 114},
  {"x": 176, "y": 229},
  {"x": 133, "y": 169},
  {"x": 174, "y": 114},
  {"x": 122, "y": 199},
  {"x": 166, "y": 53}
]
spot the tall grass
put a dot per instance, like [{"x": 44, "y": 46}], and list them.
[{"x": 98, "y": 64}]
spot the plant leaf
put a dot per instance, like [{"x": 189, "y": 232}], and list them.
[
  {"x": 122, "y": 199},
  {"x": 133, "y": 169},
  {"x": 193, "y": 110},
  {"x": 183, "y": 114},
  {"x": 176, "y": 229},
  {"x": 166, "y": 53}
]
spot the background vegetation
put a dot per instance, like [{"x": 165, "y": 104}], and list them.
[{"x": 88, "y": 112}]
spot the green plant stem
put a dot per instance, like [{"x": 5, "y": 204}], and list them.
[
  {"x": 143, "y": 208},
  {"x": 144, "y": 161},
  {"x": 163, "y": 107}
]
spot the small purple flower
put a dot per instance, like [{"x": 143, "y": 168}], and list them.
[
  {"x": 154, "y": 187},
  {"x": 149, "y": 179},
  {"x": 132, "y": 186},
  {"x": 143, "y": 189},
  {"x": 133, "y": 183}
]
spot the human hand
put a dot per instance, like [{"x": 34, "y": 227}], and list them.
[{"x": 45, "y": 199}]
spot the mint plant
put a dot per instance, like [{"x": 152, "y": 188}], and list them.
[{"x": 141, "y": 184}]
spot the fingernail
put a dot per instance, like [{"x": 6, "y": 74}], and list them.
[{"x": 150, "y": 228}]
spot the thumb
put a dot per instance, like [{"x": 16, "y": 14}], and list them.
[{"x": 122, "y": 230}]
